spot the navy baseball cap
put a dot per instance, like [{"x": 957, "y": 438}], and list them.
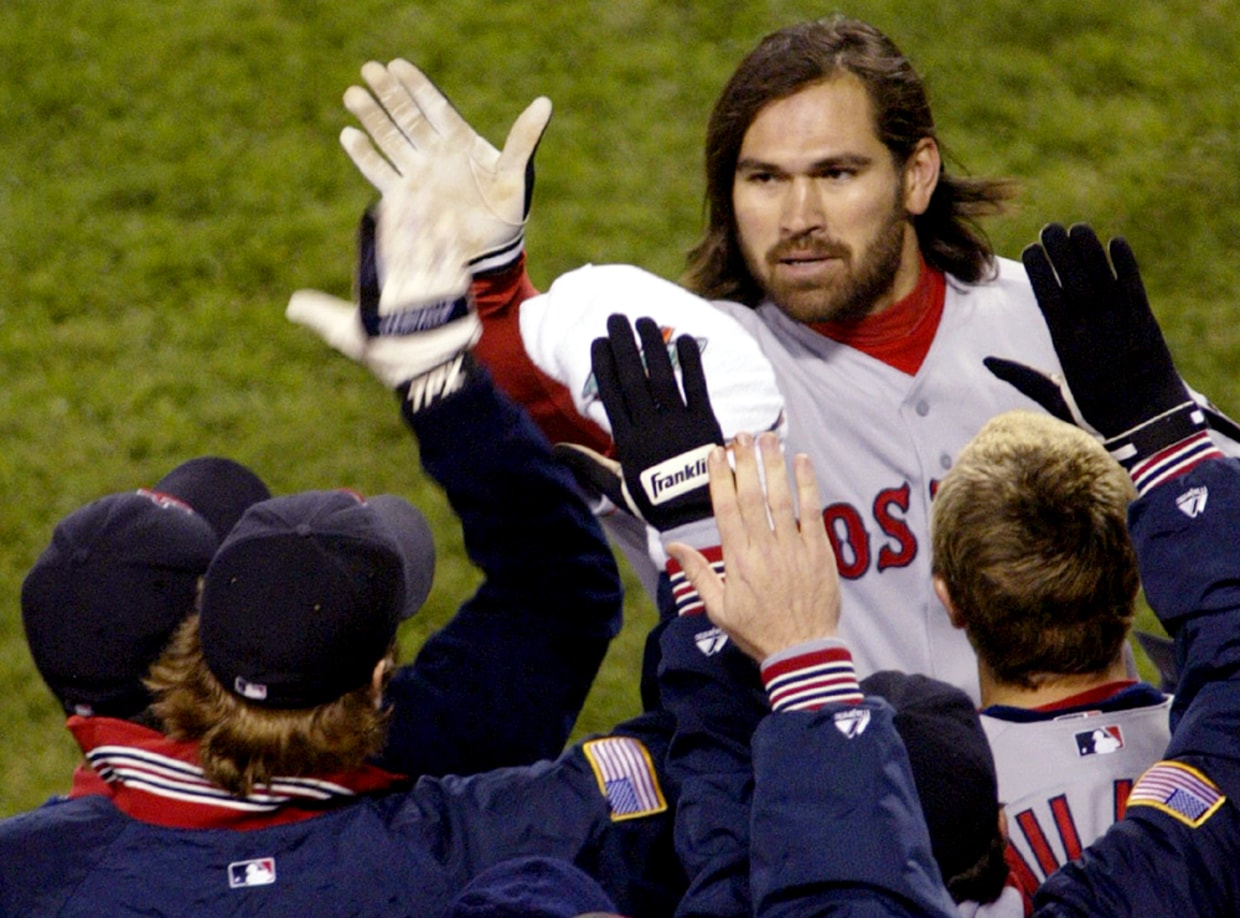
[
  {"x": 533, "y": 886},
  {"x": 102, "y": 600},
  {"x": 952, "y": 764},
  {"x": 304, "y": 596},
  {"x": 218, "y": 489}
]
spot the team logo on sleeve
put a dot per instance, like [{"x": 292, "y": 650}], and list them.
[
  {"x": 1099, "y": 741},
  {"x": 1192, "y": 503},
  {"x": 710, "y": 641},
  {"x": 852, "y": 723},
  {"x": 260, "y": 871},
  {"x": 1178, "y": 790}
]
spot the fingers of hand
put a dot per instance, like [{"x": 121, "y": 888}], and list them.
[
  {"x": 374, "y": 167},
  {"x": 524, "y": 136},
  {"x": 663, "y": 387},
  {"x": 386, "y": 132}
]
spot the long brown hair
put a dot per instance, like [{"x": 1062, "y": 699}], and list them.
[
  {"x": 242, "y": 745},
  {"x": 791, "y": 59}
]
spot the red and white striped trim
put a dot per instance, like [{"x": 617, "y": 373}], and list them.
[
  {"x": 684, "y": 596},
  {"x": 1173, "y": 461},
  {"x": 808, "y": 676}
]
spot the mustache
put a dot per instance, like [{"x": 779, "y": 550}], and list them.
[{"x": 807, "y": 247}]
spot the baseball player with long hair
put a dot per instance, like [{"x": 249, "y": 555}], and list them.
[{"x": 837, "y": 238}]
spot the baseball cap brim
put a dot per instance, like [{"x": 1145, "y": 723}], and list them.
[{"x": 412, "y": 534}]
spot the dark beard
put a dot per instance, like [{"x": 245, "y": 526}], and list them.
[{"x": 853, "y": 298}]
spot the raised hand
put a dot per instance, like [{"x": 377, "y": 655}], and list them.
[
  {"x": 782, "y": 584},
  {"x": 413, "y": 134}
]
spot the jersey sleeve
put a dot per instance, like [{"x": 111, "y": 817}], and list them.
[
  {"x": 499, "y": 297},
  {"x": 837, "y": 827}
]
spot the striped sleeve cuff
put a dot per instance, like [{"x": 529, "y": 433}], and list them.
[
  {"x": 805, "y": 677},
  {"x": 684, "y": 596},
  {"x": 1172, "y": 461}
]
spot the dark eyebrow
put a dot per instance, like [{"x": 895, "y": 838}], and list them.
[{"x": 842, "y": 161}]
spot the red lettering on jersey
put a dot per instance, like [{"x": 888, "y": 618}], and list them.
[
  {"x": 896, "y": 527},
  {"x": 1123, "y": 787},
  {"x": 848, "y": 538},
  {"x": 1028, "y": 823},
  {"x": 1066, "y": 826},
  {"x": 1021, "y": 875},
  {"x": 934, "y": 487}
]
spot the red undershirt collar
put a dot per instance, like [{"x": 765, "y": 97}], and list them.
[
  {"x": 900, "y": 336},
  {"x": 1094, "y": 695}
]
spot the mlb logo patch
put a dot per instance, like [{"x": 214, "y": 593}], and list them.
[
  {"x": 258, "y": 872},
  {"x": 1099, "y": 741}
]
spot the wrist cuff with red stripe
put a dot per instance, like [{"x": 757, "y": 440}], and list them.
[
  {"x": 684, "y": 596},
  {"x": 1164, "y": 447},
  {"x": 807, "y": 676}
]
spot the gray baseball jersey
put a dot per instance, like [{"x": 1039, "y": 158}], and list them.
[
  {"x": 880, "y": 440},
  {"x": 1064, "y": 781}
]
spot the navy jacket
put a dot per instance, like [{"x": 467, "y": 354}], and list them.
[
  {"x": 1176, "y": 853},
  {"x": 402, "y": 853},
  {"x": 503, "y": 681}
]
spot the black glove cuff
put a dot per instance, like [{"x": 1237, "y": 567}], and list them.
[{"x": 1152, "y": 436}]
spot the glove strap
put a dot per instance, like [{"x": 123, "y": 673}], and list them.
[
  {"x": 1164, "y": 447},
  {"x": 808, "y": 676},
  {"x": 419, "y": 319},
  {"x": 498, "y": 259}
]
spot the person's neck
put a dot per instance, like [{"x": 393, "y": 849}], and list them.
[{"x": 1049, "y": 691}]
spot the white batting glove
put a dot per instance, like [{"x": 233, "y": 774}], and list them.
[
  {"x": 413, "y": 134},
  {"x": 414, "y": 314},
  {"x": 394, "y": 359}
]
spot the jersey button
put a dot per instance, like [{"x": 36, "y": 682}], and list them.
[
  {"x": 923, "y": 408},
  {"x": 945, "y": 460}
]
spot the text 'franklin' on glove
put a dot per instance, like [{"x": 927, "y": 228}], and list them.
[{"x": 662, "y": 435}]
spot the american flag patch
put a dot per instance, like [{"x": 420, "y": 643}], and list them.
[
  {"x": 626, "y": 776},
  {"x": 1179, "y": 791}
]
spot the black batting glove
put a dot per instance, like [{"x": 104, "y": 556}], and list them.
[
  {"x": 1119, "y": 381},
  {"x": 662, "y": 438}
]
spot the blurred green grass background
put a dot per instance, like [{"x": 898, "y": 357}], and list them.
[{"x": 169, "y": 173}]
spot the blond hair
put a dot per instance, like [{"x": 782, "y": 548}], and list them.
[{"x": 1029, "y": 533}]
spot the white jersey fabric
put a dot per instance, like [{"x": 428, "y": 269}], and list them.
[
  {"x": 880, "y": 439},
  {"x": 1064, "y": 781}
]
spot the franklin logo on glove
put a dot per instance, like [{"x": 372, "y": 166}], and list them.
[{"x": 678, "y": 475}]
